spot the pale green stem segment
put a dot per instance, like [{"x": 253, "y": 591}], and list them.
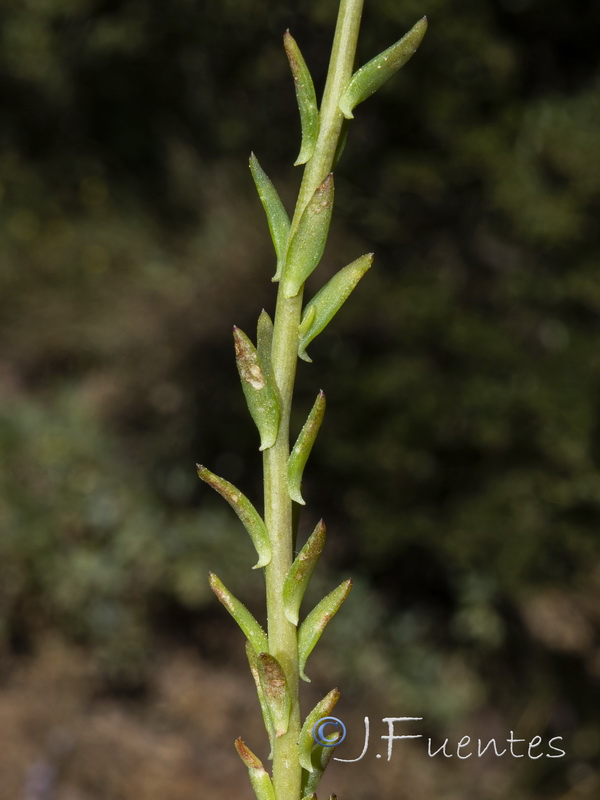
[
  {"x": 252, "y": 656},
  {"x": 306, "y": 741},
  {"x": 301, "y": 572},
  {"x": 277, "y": 218},
  {"x": 378, "y": 70},
  {"x": 247, "y": 622},
  {"x": 306, "y": 97},
  {"x": 302, "y": 448},
  {"x": 327, "y": 302},
  {"x": 259, "y": 391},
  {"x": 307, "y": 243},
  {"x": 260, "y": 780},
  {"x": 275, "y": 691},
  {"x": 283, "y": 643},
  {"x": 313, "y": 626},
  {"x": 248, "y": 515}
]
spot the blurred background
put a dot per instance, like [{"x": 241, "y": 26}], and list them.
[{"x": 458, "y": 468}]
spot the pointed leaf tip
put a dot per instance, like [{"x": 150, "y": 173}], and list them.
[
  {"x": 260, "y": 780},
  {"x": 277, "y": 217},
  {"x": 378, "y": 70},
  {"x": 306, "y": 98},
  {"x": 327, "y": 302},
  {"x": 247, "y": 756},
  {"x": 306, "y": 741},
  {"x": 313, "y": 626},
  {"x": 246, "y": 512},
  {"x": 302, "y": 448},
  {"x": 301, "y": 571},
  {"x": 308, "y": 242},
  {"x": 247, "y": 622}
]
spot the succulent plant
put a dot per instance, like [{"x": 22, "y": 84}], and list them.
[{"x": 267, "y": 372}]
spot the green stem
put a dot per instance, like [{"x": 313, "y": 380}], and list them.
[{"x": 278, "y": 505}]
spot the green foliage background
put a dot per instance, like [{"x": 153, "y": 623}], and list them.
[{"x": 458, "y": 467}]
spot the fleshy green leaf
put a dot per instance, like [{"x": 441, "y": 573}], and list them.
[
  {"x": 327, "y": 302},
  {"x": 313, "y": 626},
  {"x": 308, "y": 242},
  {"x": 276, "y": 692},
  {"x": 378, "y": 70},
  {"x": 277, "y": 217},
  {"x": 306, "y": 742},
  {"x": 248, "y": 515},
  {"x": 301, "y": 450},
  {"x": 260, "y": 780},
  {"x": 252, "y": 656},
  {"x": 261, "y": 397},
  {"x": 306, "y": 97},
  {"x": 252, "y": 630},
  {"x": 301, "y": 571}
]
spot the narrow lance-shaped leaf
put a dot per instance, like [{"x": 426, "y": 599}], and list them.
[
  {"x": 250, "y": 627},
  {"x": 327, "y": 302},
  {"x": 277, "y": 217},
  {"x": 261, "y": 397},
  {"x": 308, "y": 242},
  {"x": 306, "y": 740},
  {"x": 301, "y": 571},
  {"x": 252, "y": 656},
  {"x": 306, "y": 97},
  {"x": 378, "y": 70},
  {"x": 248, "y": 515},
  {"x": 259, "y": 778},
  {"x": 301, "y": 450},
  {"x": 313, "y": 626},
  {"x": 276, "y": 692}
]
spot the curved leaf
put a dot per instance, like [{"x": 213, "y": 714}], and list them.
[
  {"x": 378, "y": 70},
  {"x": 260, "y": 780},
  {"x": 251, "y": 628},
  {"x": 301, "y": 571},
  {"x": 313, "y": 626},
  {"x": 303, "y": 446},
  {"x": 306, "y": 97},
  {"x": 327, "y": 302},
  {"x": 248, "y": 515},
  {"x": 277, "y": 217}
]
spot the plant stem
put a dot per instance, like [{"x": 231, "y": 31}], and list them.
[{"x": 278, "y": 505}]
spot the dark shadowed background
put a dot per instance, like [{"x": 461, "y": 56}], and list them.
[{"x": 458, "y": 467}]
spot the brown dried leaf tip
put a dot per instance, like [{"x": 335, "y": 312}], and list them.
[{"x": 247, "y": 756}]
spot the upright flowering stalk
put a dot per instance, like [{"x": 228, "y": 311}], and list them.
[{"x": 267, "y": 369}]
